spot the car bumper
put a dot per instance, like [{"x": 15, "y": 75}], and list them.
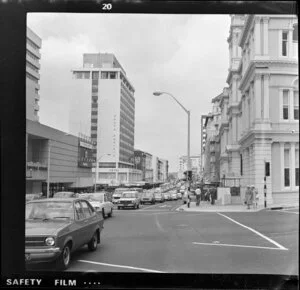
[
  {"x": 41, "y": 255},
  {"x": 126, "y": 205}
]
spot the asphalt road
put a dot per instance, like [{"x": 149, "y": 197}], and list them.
[{"x": 159, "y": 239}]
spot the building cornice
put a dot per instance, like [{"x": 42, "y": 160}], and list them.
[
  {"x": 263, "y": 64},
  {"x": 245, "y": 30}
]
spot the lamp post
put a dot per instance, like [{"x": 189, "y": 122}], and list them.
[
  {"x": 96, "y": 169},
  {"x": 48, "y": 173},
  {"x": 188, "y": 139}
]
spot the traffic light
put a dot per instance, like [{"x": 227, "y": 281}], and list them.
[{"x": 267, "y": 168}]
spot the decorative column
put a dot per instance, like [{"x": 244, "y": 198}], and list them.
[
  {"x": 291, "y": 103},
  {"x": 266, "y": 35},
  {"x": 257, "y": 92},
  {"x": 257, "y": 36},
  {"x": 292, "y": 166},
  {"x": 233, "y": 131},
  {"x": 266, "y": 97},
  {"x": 290, "y": 43},
  {"x": 281, "y": 145}
]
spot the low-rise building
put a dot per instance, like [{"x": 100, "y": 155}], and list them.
[{"x": 53, "y": 156}]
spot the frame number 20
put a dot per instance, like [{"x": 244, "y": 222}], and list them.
[{"x": 106, "y": 6}]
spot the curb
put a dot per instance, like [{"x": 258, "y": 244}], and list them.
[{"x": 282, "y": 207}]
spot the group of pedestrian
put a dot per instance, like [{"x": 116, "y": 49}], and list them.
[{"x": 251, "y": 196}]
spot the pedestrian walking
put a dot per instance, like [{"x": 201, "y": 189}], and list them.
[
  {"x": 188, "y": 197},
  {"x": 249, "y": 197},
  {"x": 254, "y": 196},
  {"x": 185, "y": 196},
  {"x": 198, "y": 196}
]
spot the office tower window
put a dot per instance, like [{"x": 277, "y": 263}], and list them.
[
  {"x": 95, "y": 75},
  {"x": 296, "y": 105},
  {"x": 284, "y": 43},
  {"x": 285, "y": 104},
  {"x": 241, "y": 158},
  {"x": 113, "y": 75},
  {"x": 104, "y": 75},
  {"x": 286, "y": 167}
]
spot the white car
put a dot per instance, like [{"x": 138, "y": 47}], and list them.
[
  {"x": 179, "y": 195},
  {"x": 100, "y": 203},
  {"x": 174, "y": 196}
]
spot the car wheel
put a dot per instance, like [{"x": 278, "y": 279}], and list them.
[
  {"x": 111, "y": 213},
  {"x": 93, "y": 243},
  {"x": 63, "y": 260},
  {"x": 103, "y": 213}
]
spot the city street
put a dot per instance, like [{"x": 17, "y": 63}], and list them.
[{"x": 159, "y": 239}]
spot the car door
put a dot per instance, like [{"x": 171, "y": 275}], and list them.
[
  {"x": 88, "y": 228},
  {"x": 79, "y": 225}
]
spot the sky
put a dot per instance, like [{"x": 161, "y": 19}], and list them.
[{"x": 184, "y": 55}]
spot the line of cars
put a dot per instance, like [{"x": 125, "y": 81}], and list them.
[
  {"x": 133, "y": 198},
  {"x": 56, "y": 227}
]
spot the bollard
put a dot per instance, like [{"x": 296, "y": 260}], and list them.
[{"x": 265, "y": 191}]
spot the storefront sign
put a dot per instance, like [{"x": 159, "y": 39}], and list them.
[
  {"x": 85, "y": 155},
  {"x": 85, "y": 145}
]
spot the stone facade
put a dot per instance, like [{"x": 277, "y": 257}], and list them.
[{"x": 260, "y": 118}]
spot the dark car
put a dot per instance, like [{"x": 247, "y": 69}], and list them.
[
  {"x": 56, "y": 227},
  {"x": 148, "y": 197}
]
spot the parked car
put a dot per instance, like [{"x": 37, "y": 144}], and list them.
[
  {"x": 65, "y": 194},
  {"x": 33, "y": 196},
  {"x": 179, "y": 195},
  {"x": 129, "y": 199},
  {"x": 100, "y": 202},
  {"x": 167, "y": 196},
  {"x": 56, "y": 227},
  {"x": 118, "y": 194},
  {"x": 174, "y": 196},
  {"x": 148, "y": 197},
  {"x": 159, "y": 197}
]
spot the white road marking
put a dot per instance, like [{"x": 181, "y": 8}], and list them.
[
  {"x": 119, "y": 266},
  {"x": 148, "y": 206},
  {"x": 158, "y": 224},
  {"x": 256, "y": 232},
  {"x": 289, "y": 211},
  {"x": 238, "y": 246}
]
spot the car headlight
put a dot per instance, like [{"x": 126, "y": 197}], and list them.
[{"x": 50, "y": 241}]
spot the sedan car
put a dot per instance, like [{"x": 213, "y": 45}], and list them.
[
  {"x": 159, "y": 196},
  {"x": 129, "y": 199},
  {"x": 148, "y": 197},
  {"x": 57, "y": 227},
  {"x": 174, "y": 196},
  {"x": 167, "y": 196},
  {"x": 100, "y": 202}
]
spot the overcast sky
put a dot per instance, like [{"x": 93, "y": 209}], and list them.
[{"x": 185, "y": 55}]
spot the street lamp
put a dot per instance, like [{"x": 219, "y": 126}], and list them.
[
  {"x": 158, "y": 93},
  {"x": 96, "y": 169}
]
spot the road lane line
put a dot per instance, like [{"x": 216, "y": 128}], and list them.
[
  {"x": 158, "y": 224},
  {"x": 119, "y": 266},
  {"x": 148, "y": 207},
  {"x": 254, "y": 231},
  {"x": 289, "y": 211},
  {"x": 238, "y": 246}
]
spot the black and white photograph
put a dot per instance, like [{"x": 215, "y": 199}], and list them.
[{"x": 161, "y": 143}]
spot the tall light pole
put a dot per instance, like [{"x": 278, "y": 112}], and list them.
[
  {"x": 96, "y": 169},
  {"x": 188, "y": 139},
  {"x": 48, "y": 173}
]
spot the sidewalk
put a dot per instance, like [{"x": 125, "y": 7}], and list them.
[{"x": 207, "y": 207}]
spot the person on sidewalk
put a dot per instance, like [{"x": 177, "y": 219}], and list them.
[
  {"x": 185, "y": 196},
  {"x": 248, "y": 197},
  {"x": 255, "y": 196},
  {"x": 198, "y": 196},
  {"x": 188, "y": 197}
]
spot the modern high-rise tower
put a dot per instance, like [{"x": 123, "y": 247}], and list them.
[
  {"x": 33, "y": 45},
  {"x": 103, "y": 106}
]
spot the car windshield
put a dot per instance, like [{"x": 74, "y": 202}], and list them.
[
  {"x": 128, "y": 195},
  {"x": 147, "y": 194},
  {"x": 49, "y": 210}
]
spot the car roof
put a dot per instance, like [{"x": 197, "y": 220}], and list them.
[{"x": 68, "y": 199}]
